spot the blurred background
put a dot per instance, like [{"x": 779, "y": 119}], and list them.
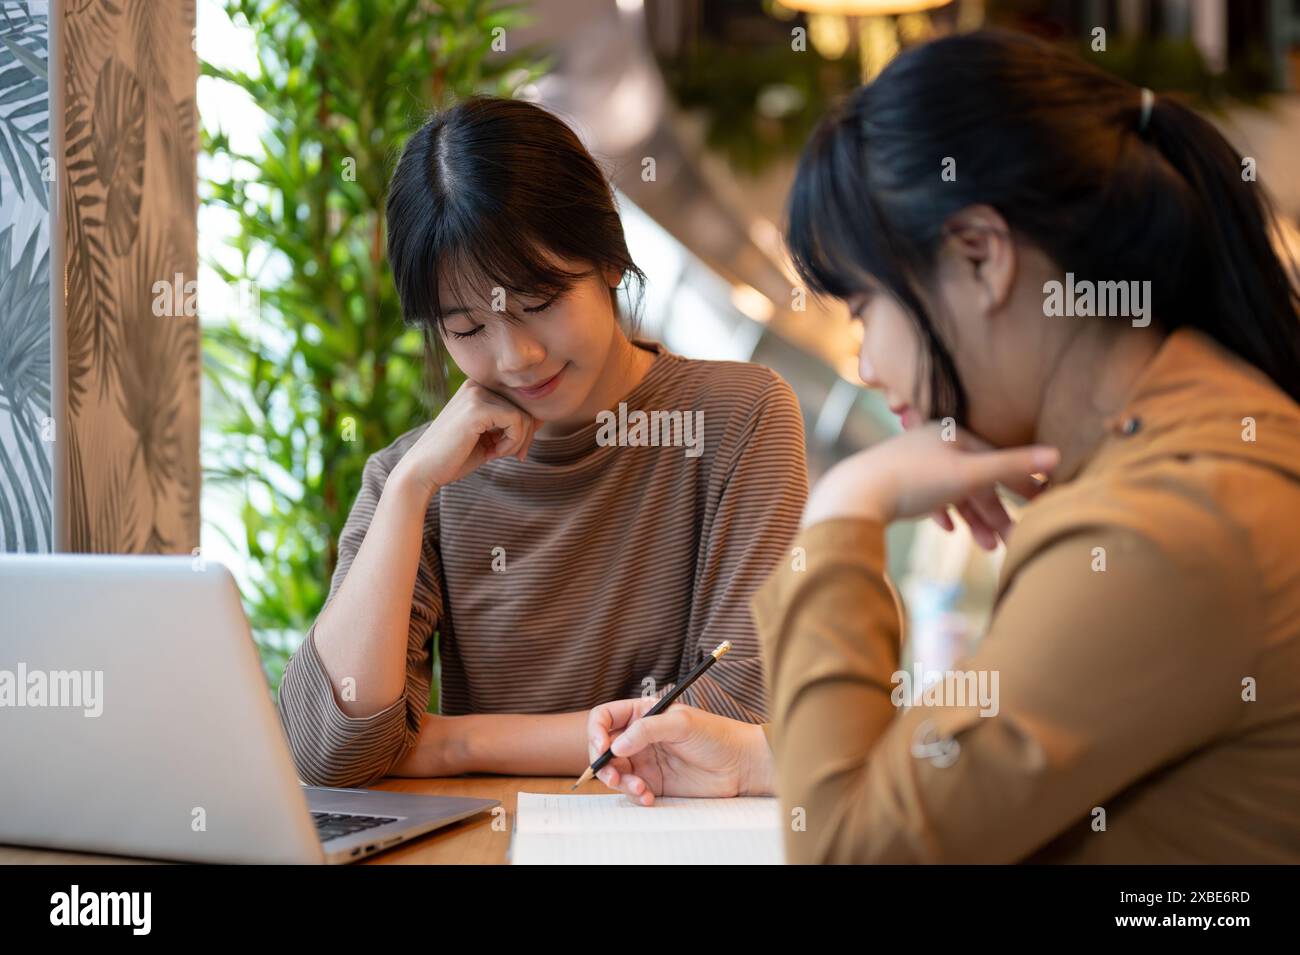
[
  {"x": 698, "y": 110},
  {"x": 247, "y": 144}
]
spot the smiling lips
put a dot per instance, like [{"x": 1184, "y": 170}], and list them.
[{"x": 544, "y": 388}]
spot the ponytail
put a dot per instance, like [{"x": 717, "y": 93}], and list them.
[{"x": 1252, "y": 304}]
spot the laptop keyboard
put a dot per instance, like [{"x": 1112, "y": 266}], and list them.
[{"x": 331, "y": 825}]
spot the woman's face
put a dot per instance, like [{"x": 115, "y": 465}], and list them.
[
  {"x": 890, "y": 358},
  {"x": 548, "y": 362},
  {"x": 986, "y": 294}
]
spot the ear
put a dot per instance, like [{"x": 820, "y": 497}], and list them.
[
  {"x": 613, "y": 277},
  {"x": 981, "y": 239}
]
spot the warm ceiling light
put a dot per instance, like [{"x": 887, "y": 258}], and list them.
[{"x": 863, "y": 8}]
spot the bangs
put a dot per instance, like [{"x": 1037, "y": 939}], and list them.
[
  {"x": 842, "y": 242},
  {"x": 466, "y": 268},
  {"x": 838, "y": 237}
]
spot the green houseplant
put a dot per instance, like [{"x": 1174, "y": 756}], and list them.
[{"x": 322, "y": 372}]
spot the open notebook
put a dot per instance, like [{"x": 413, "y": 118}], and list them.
[{"x": 613, "y": 830}]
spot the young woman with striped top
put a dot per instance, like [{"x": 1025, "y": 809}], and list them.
[{"x": 560, "y": 560}]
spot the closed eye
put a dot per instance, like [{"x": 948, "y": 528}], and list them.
[
  {"x": 536, "y": 308},
  {"x": 544, "y": 306},
  {"x": 859, "y": 313}
]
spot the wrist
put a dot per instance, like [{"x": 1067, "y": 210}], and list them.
[
  {"x": 519, "y": 744},
  {"x": 862, "y": 507},
  {"x": 474, "y": 748},
  {"x": 451, "y": 753},
  {"x": 850, "y": 490},
  {"x": 407, "y": 484},
  {"x": 433, "y": 753},
  {"x": 756, "y": 776}
]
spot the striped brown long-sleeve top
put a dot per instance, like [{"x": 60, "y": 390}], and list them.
[{"x": 588, "y": 572}]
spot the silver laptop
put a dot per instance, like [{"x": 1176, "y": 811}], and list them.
[{"x": 135, "y": 719}]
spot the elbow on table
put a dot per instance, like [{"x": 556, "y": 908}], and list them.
[
  {"x": 334, "y": 769},
  {"x": 325, "y": 760}
]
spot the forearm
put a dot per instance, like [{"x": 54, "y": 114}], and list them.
[
  {"x": 830, "y": 636},
  {"x": 547, "y": 744},
  {"x": 363, "y": 632},
  {"x": 506, "y": 743},
  {"x": 543, "y": 744}
]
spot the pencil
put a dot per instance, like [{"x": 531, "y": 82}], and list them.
[{"x": 664, "y": 702}]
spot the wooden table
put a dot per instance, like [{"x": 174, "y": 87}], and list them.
[{"x": 471, "y": 842}]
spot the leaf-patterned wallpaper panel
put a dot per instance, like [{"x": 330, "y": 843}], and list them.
[
  {"x": 130, "y": 224},
  {"x": 26, "y": 427}
]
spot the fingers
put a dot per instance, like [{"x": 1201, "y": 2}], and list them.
[
  {"x": 984, "y": 535},
  {"x": 941, "y": 517},
  {"x": 668, "y": 727},
  {"x": 514, "y": 440},
  {"x": 618, "y": 775},
  {"x": 512, "y": 427},
  {"x": 1003, "y": 467},
  {"x": 604, "y": 720},
  {"x": 531, "y": 430},
  {"x": 634, "y": 787},
  {"x": 502, "y": 446},
  {"x": 980, "y": 472},
  {"x": 983, "y": 468},
  {"x": 528, "y": 426},
  {"x": 1021, "y": 482},
  {"x": 989, "y": 507},
  {"x": 612, "y": 772},
  {"x": 516, "y": 433},
  {"x": 637, "y": 789},
  {"x": 644, "y": 704},
  {"x": 1028, "y": 486},
  {"x": 627, "y": 782}
]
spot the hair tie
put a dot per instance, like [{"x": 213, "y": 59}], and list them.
[{"x": 1148, "y": 101}]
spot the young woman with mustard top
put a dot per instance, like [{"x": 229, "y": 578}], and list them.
[{"x": 1146, "y": 631}]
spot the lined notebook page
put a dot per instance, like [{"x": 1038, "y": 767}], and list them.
[{"x": 613, "y": 830}]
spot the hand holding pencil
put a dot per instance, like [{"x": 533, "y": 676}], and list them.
[
  {"x": 678, "y": 751},
  {"x": 664, "y": 702}
]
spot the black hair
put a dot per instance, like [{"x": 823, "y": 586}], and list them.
[
  {"x": 483, "y": 191},
  {"x": 1058, "y": 148}
]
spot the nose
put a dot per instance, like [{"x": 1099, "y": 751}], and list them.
[
  {"x": 865, "y": 369},
  {"x": 520, "y": 349}
]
